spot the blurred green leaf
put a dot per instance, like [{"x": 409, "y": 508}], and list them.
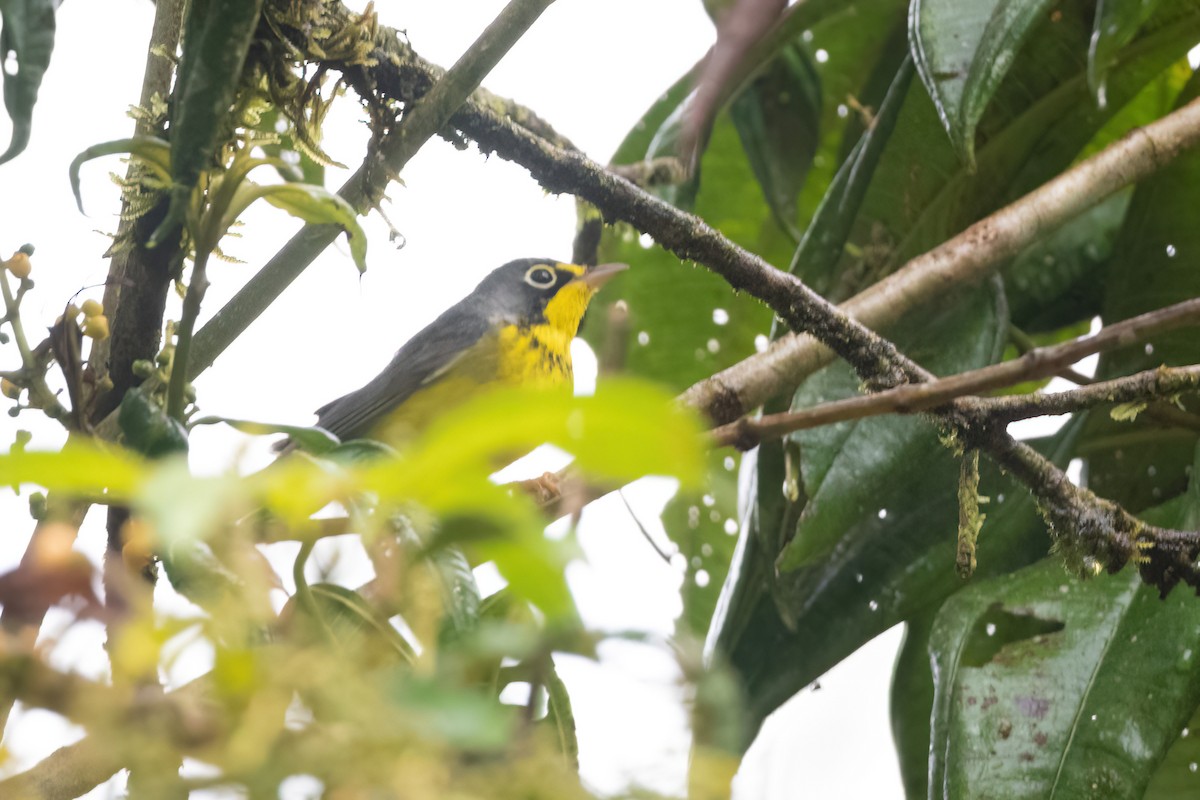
[
  {"x": 81, "y": 467},
  {"x": 560, "y": 717},
  {"x": 1051, "y": 687},
  {"x": 184, "y": 509},
  {"x": 456, "y": 715},
  {"x": 27, "y": 34},
  {"x": 355, "y": 627},
  {"x": 627, "y": 429},
  {"x": 317, "y": 441}
]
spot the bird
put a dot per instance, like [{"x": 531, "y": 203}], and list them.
[{"x": 514, "y": 329}]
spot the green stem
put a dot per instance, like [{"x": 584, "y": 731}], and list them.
[
  {"x": 303, "y": 592},
  {"x": 183, "y": 346},
  {"x": 39, "y": 390},
  {"x": 13, "y": 317}
]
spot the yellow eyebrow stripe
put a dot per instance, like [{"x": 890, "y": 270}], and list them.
[{"x": 574, "y": 269}]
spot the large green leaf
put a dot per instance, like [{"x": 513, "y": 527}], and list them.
[
  {"x": 1052, "y": 688},
  {"x": 820, "y": 570},
  {"x": 911, "y": 700},
  {"x": 904, "y": 567},
  {"x": 1054, "y": 282},
  {"x": 1040, "y": 119},
  {"x": 706, "y": 326},
  {"x": 855, "y": 469},
  {"x": 28, "y": 35},
  {"x": 1142, "y": 463},
  {"x": 1176, "y": 775},
  {"x": 777, "y": 118},
  {"x": 825, "y": 239},
  {"x": 964, "y": 49}
]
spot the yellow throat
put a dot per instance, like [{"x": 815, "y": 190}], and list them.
[{"x": 539, "y": 354}]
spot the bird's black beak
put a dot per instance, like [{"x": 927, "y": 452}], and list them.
[{"x": 601, "y": 274}]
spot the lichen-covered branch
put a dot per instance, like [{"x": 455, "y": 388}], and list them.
[
  {"x": 1138, "y": 390},
  {"x": 1093, "y": 534}
]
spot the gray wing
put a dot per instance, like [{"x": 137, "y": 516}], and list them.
[{"x": 415, "y": 364}]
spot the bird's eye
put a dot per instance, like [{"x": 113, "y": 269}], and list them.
[{"x": 540, "y": 277}]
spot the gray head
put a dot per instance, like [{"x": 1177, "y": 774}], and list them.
[{"x": 532, "y": 291}]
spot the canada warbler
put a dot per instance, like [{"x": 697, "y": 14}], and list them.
[{"x": 514, "y": 329}]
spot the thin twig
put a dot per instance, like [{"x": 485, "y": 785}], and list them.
[
  {"x": 1037, "y": 363},
  {"x": 645, "y": 533},
  {"x": 1024, "y": 343},
  {"x": 183, "y": 340}
]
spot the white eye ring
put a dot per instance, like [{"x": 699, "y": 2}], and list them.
[{"x": 540, "y": 277}]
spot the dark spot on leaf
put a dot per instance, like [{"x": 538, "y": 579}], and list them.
[
  {"x": 1040, "y": 739},
  {"x": 1030, "y": 706}
]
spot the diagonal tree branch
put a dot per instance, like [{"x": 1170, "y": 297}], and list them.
[{"x": 966, "y": 258}]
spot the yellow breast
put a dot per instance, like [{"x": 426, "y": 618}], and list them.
[{"x": 538, "y": 355}]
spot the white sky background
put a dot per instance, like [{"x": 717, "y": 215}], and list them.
[{"x": 591, "y": 69}]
